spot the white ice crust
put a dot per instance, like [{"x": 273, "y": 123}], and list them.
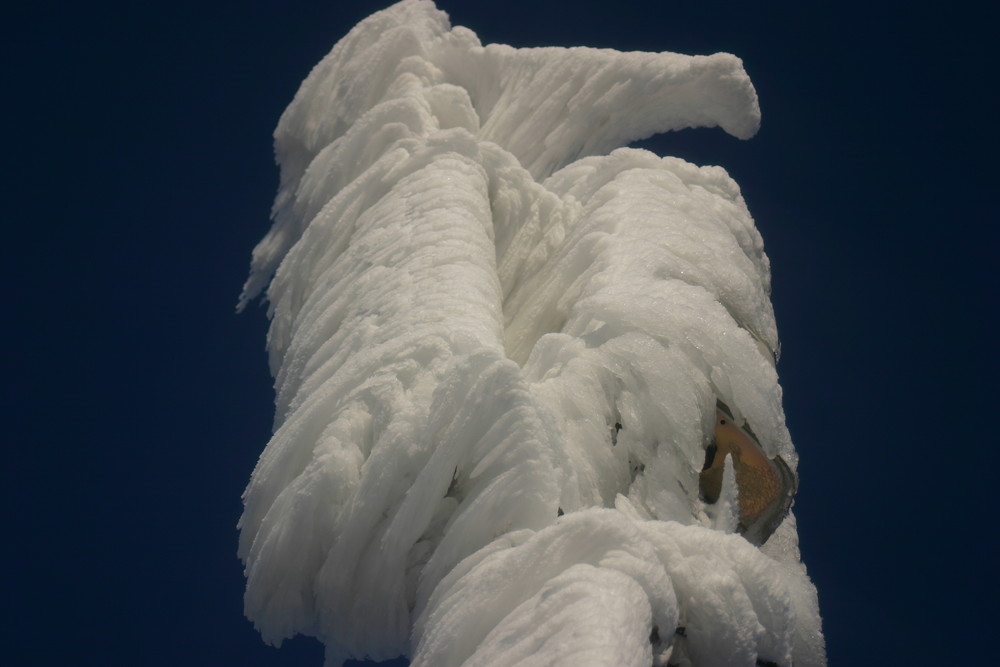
[{"x": 498, "y": 344}]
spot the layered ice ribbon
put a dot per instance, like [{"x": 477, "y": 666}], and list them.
[{"x": 498, "y": 343}]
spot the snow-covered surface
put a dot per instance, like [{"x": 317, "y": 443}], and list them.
[{"x": 498, "y": 343}]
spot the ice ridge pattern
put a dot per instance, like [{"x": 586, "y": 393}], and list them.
[{"x": 499, "y": 342}]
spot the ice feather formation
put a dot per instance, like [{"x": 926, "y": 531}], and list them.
[{"x": 499, "y": 342}]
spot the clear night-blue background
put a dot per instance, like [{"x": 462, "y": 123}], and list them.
[{"x": 138, "y": 176}]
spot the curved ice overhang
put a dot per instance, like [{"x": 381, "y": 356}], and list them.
[{"x": 546, "y": 106}]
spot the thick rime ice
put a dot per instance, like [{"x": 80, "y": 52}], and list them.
[{"x": 498, "y": 346}]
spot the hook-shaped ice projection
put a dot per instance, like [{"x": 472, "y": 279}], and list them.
[{"x": 501, "y": 345}]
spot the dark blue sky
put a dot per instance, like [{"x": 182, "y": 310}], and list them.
[{"x": 139, "y": 175}]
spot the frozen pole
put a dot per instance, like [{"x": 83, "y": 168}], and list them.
[{"x": 526, "y": 397}]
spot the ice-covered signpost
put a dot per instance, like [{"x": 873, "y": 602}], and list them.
[{"x": 527, "y": 407}]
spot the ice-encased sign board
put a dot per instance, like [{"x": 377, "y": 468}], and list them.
[{"x": 527, "y": 408}]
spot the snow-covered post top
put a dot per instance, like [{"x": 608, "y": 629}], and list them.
[{"x": 502, "y": 352}]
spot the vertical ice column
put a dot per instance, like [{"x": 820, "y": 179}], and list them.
[{"x": 498, "y": 347}]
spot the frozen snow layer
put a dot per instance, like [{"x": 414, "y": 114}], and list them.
[
  {"x": 405, "y": 72},
  {"x": 485, "y": 318},
  {"x": 598, "y": 588}
]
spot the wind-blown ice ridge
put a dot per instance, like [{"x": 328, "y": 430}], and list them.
[{"x": 481, "y": 321}]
